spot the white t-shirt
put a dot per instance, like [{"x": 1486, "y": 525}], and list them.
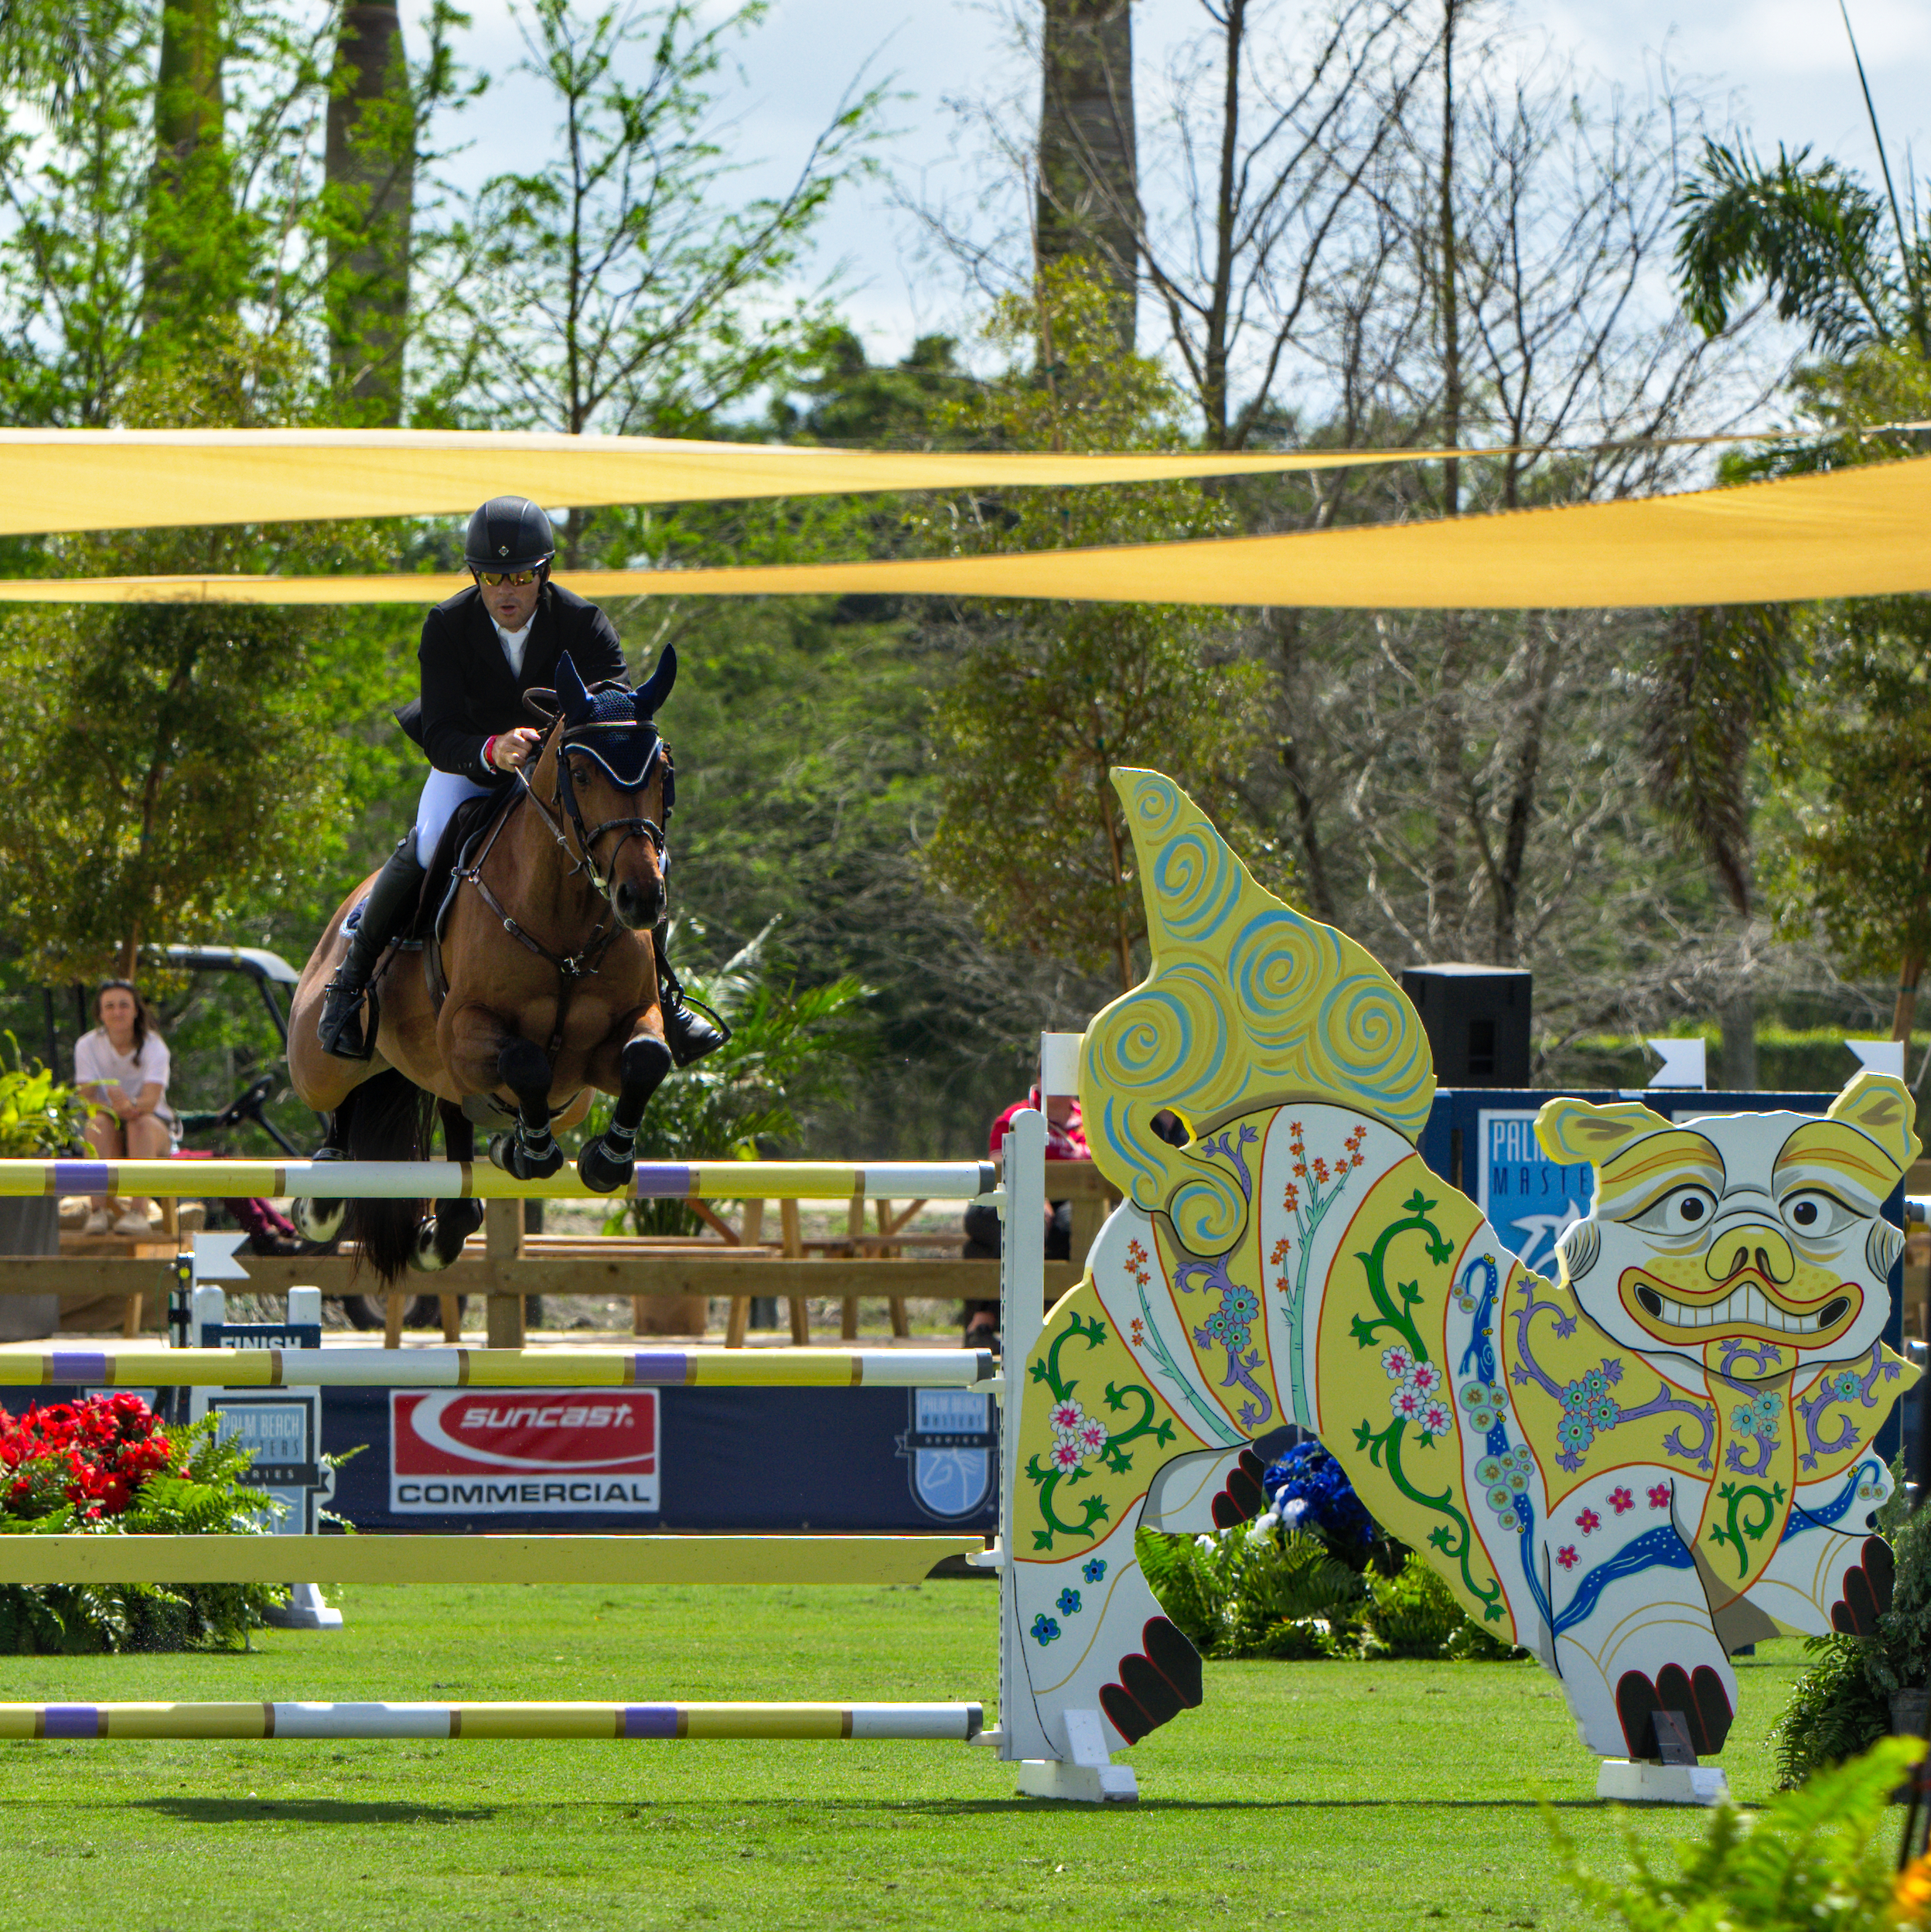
[
  {"x": 515, "y": 643},
  {"x": 94, "y": 1060}
]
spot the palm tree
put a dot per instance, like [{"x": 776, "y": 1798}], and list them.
[
  {"x": 1842, "y": 261},
  {"x": 1816, "y": 235}
]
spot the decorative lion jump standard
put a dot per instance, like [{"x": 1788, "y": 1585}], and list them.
[{"x": 1633, "y": 1471}]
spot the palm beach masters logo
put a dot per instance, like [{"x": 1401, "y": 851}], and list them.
[{"x": 952, "y": 1448}]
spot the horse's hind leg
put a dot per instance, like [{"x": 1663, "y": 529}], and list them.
[
  {"x": 439, "y": 1241},
  {"x": 607, "y": 1162},
  {"x": 320, "y": 1221}
]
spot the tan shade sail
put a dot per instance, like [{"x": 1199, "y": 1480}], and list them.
[
  {"x": 1861, "y": 532},
  {"x": 59, "y": 479}
]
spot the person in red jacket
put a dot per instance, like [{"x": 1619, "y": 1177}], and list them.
[{"x": 1065, "y": 1141}]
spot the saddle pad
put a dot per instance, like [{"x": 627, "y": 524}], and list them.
[{"x": 473, "y": 817}]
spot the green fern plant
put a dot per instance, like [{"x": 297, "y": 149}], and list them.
[
  {"x": 1254, "y": 1592},
  {"x": 203, "y": 1492},
  {"x": 1816, "y": 1859},
  {"x": 1841, "y": 1705}
]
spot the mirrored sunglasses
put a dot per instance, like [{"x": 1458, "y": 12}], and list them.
[{"x": 495, "y": 579}]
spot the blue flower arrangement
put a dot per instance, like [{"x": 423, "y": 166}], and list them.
[{"x": 1309, "y": 1491}]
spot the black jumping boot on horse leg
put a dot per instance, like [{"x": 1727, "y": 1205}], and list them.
[
  {"x": 396, "y": 886},
  {"x": 689, "y": 1033}
]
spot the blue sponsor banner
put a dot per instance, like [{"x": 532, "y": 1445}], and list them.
[{"x": 1530, "y": 1200}]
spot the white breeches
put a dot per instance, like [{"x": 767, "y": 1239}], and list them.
[{"x": 441, "y": 794}]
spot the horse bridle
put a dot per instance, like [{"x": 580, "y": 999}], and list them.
[
  {"x": 564, "y": 804},
  {"x": 629, "y": 828}
]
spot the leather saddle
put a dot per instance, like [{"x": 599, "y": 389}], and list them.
[{"x": 469, "y": 824}]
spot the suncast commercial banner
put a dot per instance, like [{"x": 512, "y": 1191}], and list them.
[{"x": 520, "y": 1452}]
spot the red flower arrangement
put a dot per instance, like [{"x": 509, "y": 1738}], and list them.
[{"x": 94, "y": 1454}]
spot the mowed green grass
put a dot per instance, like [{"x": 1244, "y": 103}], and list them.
[{"x": 1334, "y": 1796}]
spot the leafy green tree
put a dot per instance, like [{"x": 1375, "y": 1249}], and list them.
[
  {"x": 614, "y": 287},
  {"x": 1852, "y": 753},
  {"x": 174, "y": 761},
  {"x": 370, "y": 160},
  {"x": 1050, "y": 697}
]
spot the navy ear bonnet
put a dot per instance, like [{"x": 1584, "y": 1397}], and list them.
[{"x": 617, "y": 728}]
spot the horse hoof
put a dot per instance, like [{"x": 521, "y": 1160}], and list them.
[
  {"x": 509, "y": 1154},
  {"x": 425, "y": 1258},
  {"x": 319, "y": 1221},
  {"x": 601, "y": 1171}
]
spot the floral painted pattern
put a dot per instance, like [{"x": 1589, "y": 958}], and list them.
[
  {"x": 1094, "y": 1568},
  {"x": 1419, "y": 1398},
  {"x": 1083, "y": 1444},
  {"x": 1067, "y": 1602},
  {"x": 1588, "y": 1522},
  {"x": 1044, "y": 1628},
  {"x": 1659, "y": 1496},
  {"x": 1757, "y": 1421},
  {"x": 1621, "y": 1499},
  {"x": 1506, "y": 1478},
  {"x": 1566, "y": 1557},
  {"x": 1487, "y": 1405}
]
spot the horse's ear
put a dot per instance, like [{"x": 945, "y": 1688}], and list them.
[
  {"x": 540, "y": 703},
  {"x": 570, "y": 693},
  {"x": 655, "y": 688}
]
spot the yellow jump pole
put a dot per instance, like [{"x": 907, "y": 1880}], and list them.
[
  {"x": 477, "y": 1180},
  {"x": 877, "y": 1560},
  {"x": 958, "y": 1723},
  {"x": 502, "y": 1368}
]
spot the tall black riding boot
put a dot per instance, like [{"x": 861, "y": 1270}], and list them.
[
  {"x": 688, "y": 1032},
  {"x": 391, "y": 899}
]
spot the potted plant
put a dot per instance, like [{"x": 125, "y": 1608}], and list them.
[{"x": 40, "y": 1118}]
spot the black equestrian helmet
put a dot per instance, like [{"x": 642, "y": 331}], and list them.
[{"x": 508, "y": 533}]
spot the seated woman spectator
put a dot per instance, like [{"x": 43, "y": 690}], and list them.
[{"x": 121, "y": 1068}]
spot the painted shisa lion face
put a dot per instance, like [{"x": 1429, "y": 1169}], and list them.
[
  {"x": 1748, "y": 1243},
  {"x": 1632, "y": 1472}
]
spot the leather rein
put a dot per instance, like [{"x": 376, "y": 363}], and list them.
[{"x": 583, "y": 964}]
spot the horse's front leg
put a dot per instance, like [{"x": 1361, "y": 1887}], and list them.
[
  {"x": 633, "y": 1069},
  {"x": 482, "y": 1056},
  {"x": 439, "y": 1239}
]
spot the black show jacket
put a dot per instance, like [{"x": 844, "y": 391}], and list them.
[{"x": 470, "y": 694}]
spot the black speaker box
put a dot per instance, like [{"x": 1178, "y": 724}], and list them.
[{"x": 1477, "y": 1021}]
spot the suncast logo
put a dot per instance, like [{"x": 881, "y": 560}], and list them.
[{"x": 519, "y": 1451}]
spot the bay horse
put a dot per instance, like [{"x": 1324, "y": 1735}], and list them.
[{"x": 538, "y": 985}]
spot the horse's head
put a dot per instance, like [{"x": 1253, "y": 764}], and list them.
[{"x": 613, "y": 783}]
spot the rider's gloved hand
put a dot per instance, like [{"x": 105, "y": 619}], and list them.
[{"x": 509, "y": 749}]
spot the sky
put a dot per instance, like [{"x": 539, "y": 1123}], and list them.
[{"x": 1780, "y": 68}]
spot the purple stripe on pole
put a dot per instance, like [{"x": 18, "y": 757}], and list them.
[
  {"x": 645, "y": 1720},
  {"x": 83, "y": 1177},
  {"x": 657, "y": 1181},
  {"x": 74, "y": 1720},
  {"x": 660, "y": 1368},
  {"x": 72, "y": 1365}
]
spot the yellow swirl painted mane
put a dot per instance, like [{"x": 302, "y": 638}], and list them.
[{"x": 1249, "y": 1003}]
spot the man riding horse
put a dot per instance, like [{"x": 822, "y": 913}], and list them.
[{"x": 481, "y": 651}]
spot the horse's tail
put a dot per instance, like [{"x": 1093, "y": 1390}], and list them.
[{"x": 389, "y": 1119}]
